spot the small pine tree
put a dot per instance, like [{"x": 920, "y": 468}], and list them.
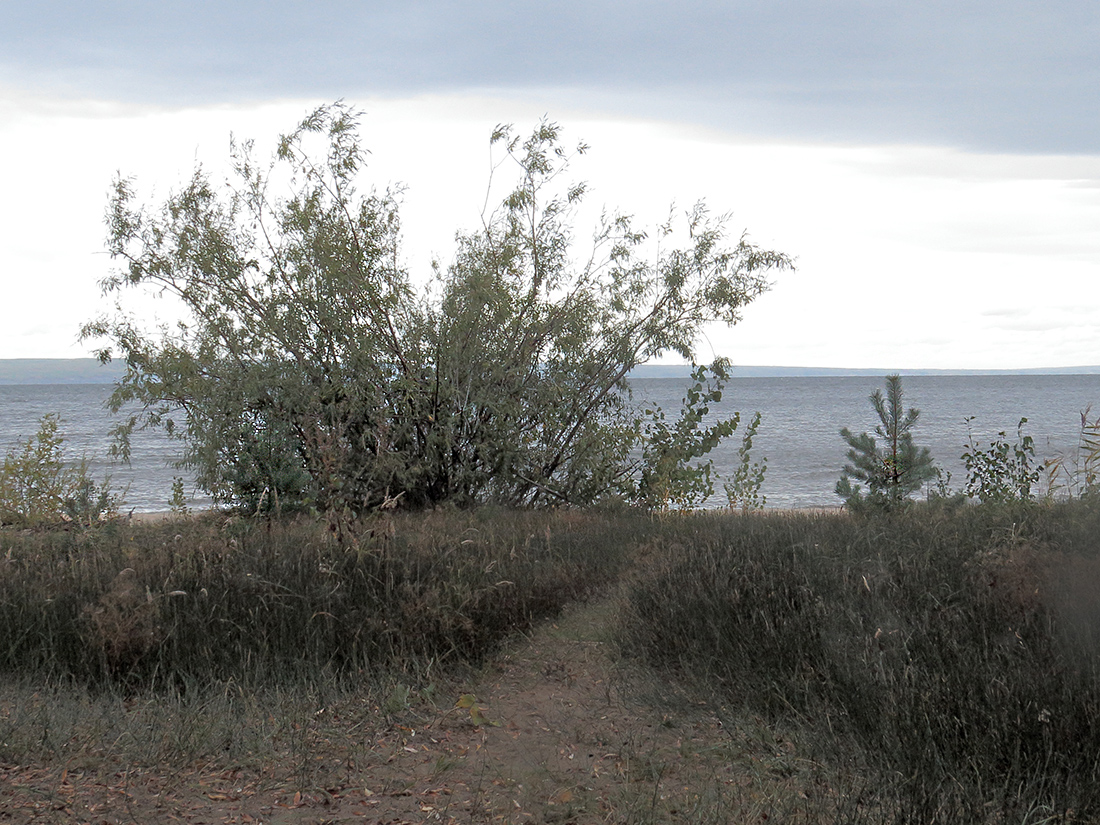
[{"x": 896, "y": 469}]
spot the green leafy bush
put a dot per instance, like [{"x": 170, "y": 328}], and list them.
[
  {"x": 309, "y": 370},
  {"x": 177, "y": 502},
  {"x": 668, "y": 478},
  {"x": 1004, "y": 472},
  {"x": 39, "y": 486},
  {"x": 743, "y": 488}
]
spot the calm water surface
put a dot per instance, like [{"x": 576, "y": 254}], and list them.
[
  {"x": 86, "y": 424},
  {"x": 802, "y": 418},
  {"x": 798, "y": 435}
]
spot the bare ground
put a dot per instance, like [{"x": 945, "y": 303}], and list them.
[{"x": 555, "y": 730}]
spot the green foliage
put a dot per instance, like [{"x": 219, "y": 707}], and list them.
[
  {"x": 309, "y": 372},
  {"x": 668, "y": 477},
  {"x": 39, "y": 486},
  {"x": 177, "y": 502},
  {"x": 893, "y": 470},
  {"x": 1077, "y": 474},
  {"x": 1004, "y": 472},
  {"x": 743, "y": 489}
]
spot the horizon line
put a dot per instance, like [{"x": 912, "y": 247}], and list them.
[{"x": 15, "y": 371}]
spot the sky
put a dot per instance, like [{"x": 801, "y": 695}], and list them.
[{"x": 934, "y": 167}]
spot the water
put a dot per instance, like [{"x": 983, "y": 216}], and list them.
[
  {"x": 798, "y": 434},
  {"x": 86, "y": 424},
  {"x": 802, "y": 418}
]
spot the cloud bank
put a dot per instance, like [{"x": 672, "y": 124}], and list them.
[{"x": 1007, "y": 75}]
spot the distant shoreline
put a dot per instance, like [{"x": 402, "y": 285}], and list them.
[
  {"x": 21, "y": 371},
  {"x": 160, "y": 516},
  {"x": 678, "y": 371}
]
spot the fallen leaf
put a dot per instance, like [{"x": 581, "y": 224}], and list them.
[{"x": 479, "y": 718}]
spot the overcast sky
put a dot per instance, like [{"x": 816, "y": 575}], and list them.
[{"x": 934, "y": 167}]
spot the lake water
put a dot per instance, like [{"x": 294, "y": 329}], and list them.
[
  {"x": 799, "y": 433},
  {"x": 86, "y": 424}
]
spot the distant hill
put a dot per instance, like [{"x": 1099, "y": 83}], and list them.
[
  {"x": 90, "y": 371},
  {"x": 59, "y": 371}
]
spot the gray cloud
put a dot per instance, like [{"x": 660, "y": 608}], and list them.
[
  {"x": 996, "y": 75},
  {"x": 1005, "y": 312}
]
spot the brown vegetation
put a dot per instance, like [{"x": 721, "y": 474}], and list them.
[{"x": 571, "y": 667}]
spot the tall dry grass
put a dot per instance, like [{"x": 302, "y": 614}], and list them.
[
  {"x": 952, "y": 654},
  {"x": 189, "y": 603}
]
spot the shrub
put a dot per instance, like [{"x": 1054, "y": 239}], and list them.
[
  {"x": 668, "y": 478},
  {"x": 1004, "y": 472},
  {"x": 743, "y": 488},
  {"x": 38, "y": 485},
  {"x": 309, "y": 364}
]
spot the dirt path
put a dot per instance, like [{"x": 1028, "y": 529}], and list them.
[{"x": 553, "y": 731}]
